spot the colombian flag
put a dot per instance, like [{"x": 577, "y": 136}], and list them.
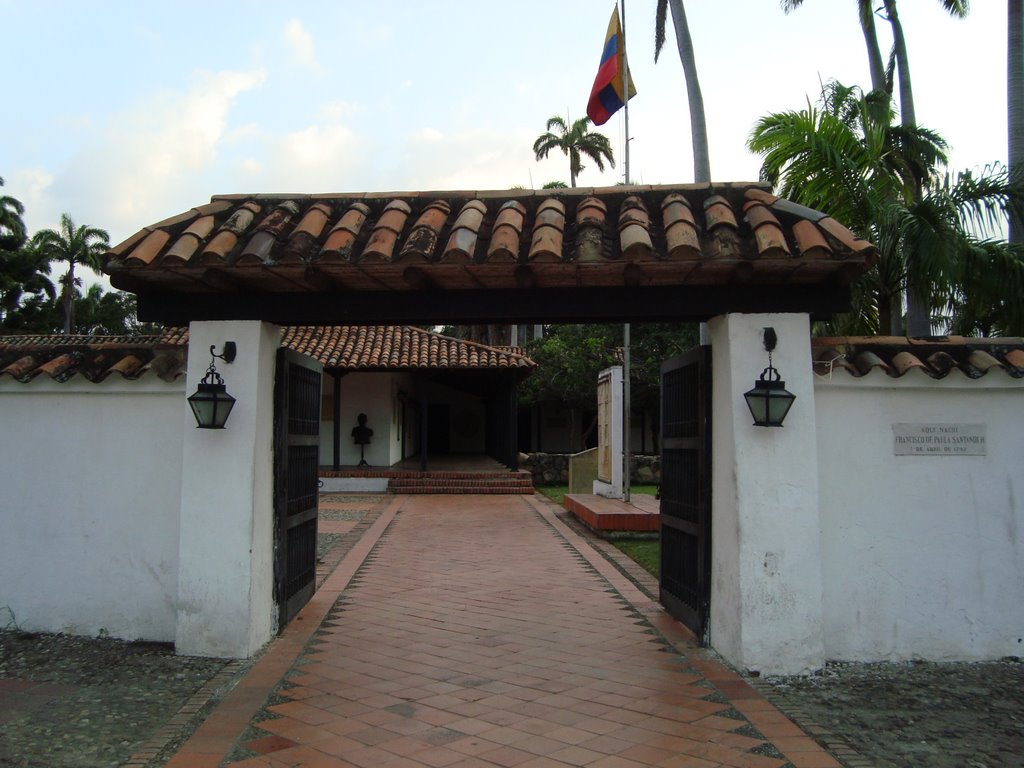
[{"x": 606, "y": 97}]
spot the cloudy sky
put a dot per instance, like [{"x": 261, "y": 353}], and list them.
[{"x": 124, "y": 113}]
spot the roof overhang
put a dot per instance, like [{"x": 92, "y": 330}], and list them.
[{"x": 684, "y": 253}]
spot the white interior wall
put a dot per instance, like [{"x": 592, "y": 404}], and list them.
[
  {"x": 923, "y": 556},
  {"x": 92, "y": 476},
  {"x": 374, "y": 394}
]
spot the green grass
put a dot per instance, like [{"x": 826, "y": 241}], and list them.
[
  {"x": 557, "y": 492},
  {"x": 644, "y": 552}
]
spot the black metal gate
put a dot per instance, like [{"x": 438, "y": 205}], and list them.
[
  {"x": 686, "y": 488},
  {"x": 296, "y": 480}
]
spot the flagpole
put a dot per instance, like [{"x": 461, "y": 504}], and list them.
[
  {"x": 626, "y": 393},
  {"x": 625, "y": 89}
]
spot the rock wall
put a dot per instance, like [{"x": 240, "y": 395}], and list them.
[{"x": 553, "y": 468}]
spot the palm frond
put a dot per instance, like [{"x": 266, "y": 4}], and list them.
[{"x": 660, "y": 17}]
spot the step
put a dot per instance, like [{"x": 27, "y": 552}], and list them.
[{"x": 503, "y": 483}]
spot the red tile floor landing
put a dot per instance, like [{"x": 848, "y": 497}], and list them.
[{"x": 481, "y": 631}]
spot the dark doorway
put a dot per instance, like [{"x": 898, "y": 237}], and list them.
[{"x": 439, "y": 431}]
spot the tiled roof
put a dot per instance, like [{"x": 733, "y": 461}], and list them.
[
  {"x": 347, "y": 347},
  {"x": 896, "y": 355},
  {"x": 634, "y": 236},
  {"x": 94, "y": 357},
  {"x": 392, "y": 347}
]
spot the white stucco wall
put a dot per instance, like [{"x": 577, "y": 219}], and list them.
[
  {"x": 89, "y": 511},
  {"x": 226, "y": 540},
  {"x": 766, "y": 599},
  {"x": 923, "y": 556}
]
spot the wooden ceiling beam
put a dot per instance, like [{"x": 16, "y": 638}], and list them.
[{"x": 541, "y": 305}]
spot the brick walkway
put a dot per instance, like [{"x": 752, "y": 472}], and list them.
[{"x": 482, "y": 631}]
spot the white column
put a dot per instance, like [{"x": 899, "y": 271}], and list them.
[
  {"x": 766, "y": 588},
  {"x": 226, "y": 567}
]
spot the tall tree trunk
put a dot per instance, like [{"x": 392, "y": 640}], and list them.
[
  {"x": 918, "y": 311},
  {"x": 1015, "y": 100},
  {"x": 907, "y": 115},
  {"x": 875, "y": 63},
  {"x": 69, "y": 298},
  {"x": 698, "y": 125}
]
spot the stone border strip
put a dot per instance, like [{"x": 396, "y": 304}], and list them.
[
  {"x": 846, "y": 754},
  {"x": 214, "y": 739},
  {"x": 179, "y": 725}
]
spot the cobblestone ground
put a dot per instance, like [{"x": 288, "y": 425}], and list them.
[
  {"x": 914, "y": 715},
  {"x": 83, "y": 703}
]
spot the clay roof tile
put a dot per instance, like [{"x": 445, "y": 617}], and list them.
[
  {"x": 508, "y": 228},
  {"x": 548, "y": 226},
  {"x": 462, "y": 242}
]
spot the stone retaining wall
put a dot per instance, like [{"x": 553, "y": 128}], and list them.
[{"x": 553, "y": 468}]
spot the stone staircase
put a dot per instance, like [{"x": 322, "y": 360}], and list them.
[{"x": 496, "y": 482}]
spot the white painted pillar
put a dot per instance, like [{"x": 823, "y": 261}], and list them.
[
  {"x": 612, "y": 434},
  {"x": 226, "y": 569},
  {"x": 766, "y": 580}
]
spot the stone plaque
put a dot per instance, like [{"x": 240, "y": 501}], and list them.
[{"x": 939, "y": 439}]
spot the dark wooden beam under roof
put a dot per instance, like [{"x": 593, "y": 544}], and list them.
[{"x": 552, "y": 305}]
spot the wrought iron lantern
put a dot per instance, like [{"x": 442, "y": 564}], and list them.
[
  {"x": 769, "y": 401},
  {"x": 211, "y": 402}
]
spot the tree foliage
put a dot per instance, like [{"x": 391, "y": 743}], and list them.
[
  {"x": 576, "y": 141},
  {"x": 889, "y": 183},
  {"x": 72, "y": 245},
  {"x": 28, "y": 297},
  {"x": 570, "y": 357}
]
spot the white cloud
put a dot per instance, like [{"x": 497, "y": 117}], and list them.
[
  {"x": 465, "y": 160},
  {"x": 337, "y": 110},
  {"x": 320, "y": 157},
  {"x": 301, "y": 43},
  {"x": 150, "y": 159},
  {"x": 428, "y": 135}
]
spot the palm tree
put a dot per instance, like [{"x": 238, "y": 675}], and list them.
[
  {"x": 74, "y": 245},
  {"x": 918, "y": 323},
  {"x": 866, "y": 11},
  {"x": 879, "y": 80},
  {"x": 847, "y": 158},
  {"x": 694, "y": 98},
  {"x": 12, "y": 227},
  {"x": 575, "y": 141},
  {"x": 956, "y": 8},
  {"x": 23, "y": 272}
]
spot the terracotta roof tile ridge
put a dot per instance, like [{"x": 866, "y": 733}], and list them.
[
  {"x": 510, "y": 194},
  {"x": 474, "y": 344},
  {"x": 921, "y": 341},
  {"x": 59, "y": 341},
  {"x": 935, "y": 356}
]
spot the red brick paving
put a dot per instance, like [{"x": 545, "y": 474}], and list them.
[{"x": 484, "y": 632}]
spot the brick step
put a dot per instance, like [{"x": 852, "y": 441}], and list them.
[
  {"x": 502, "y": 483},
  {"x": 420, "y": 490},
  {"x": 429, "y": 474}
]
